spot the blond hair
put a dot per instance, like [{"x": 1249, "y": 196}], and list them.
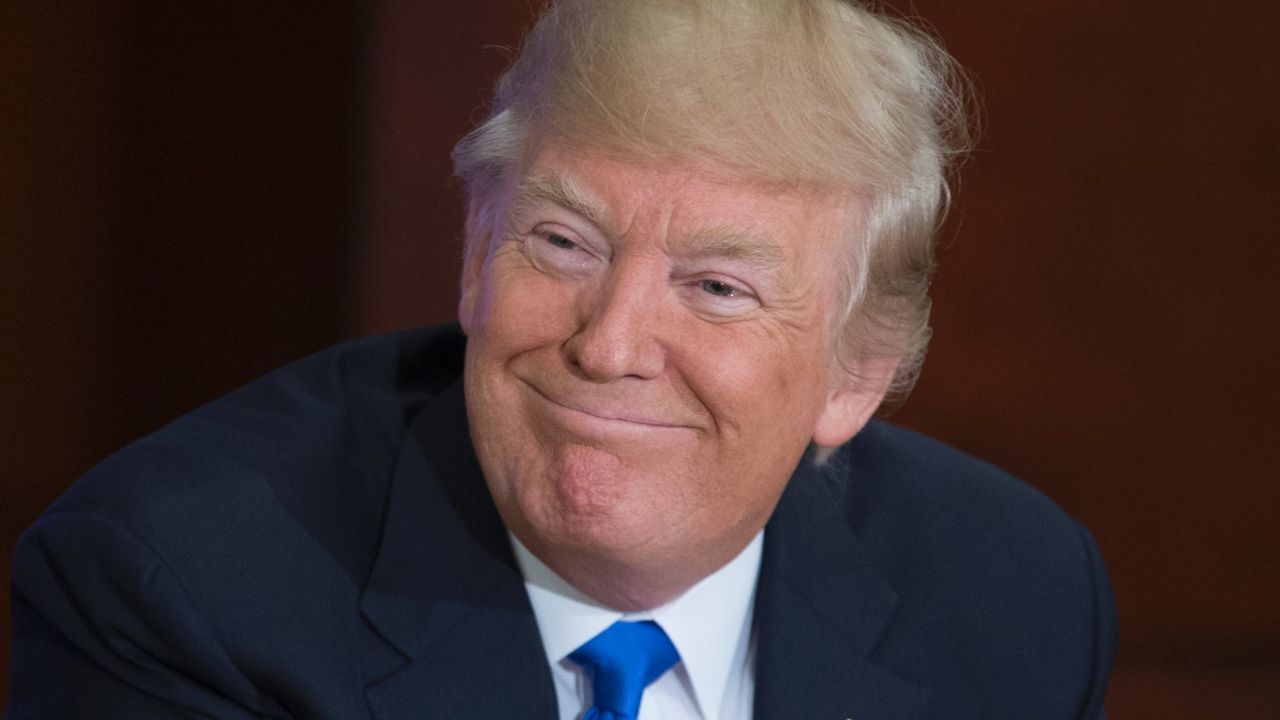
[{"x": 813, "y": 93}]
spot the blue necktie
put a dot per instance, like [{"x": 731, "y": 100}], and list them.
[{"x": 621, "y": 662}]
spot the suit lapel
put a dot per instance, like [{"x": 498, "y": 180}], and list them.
[
  {"x": 445, "y": 591},
  {"x": 821, "y": 609}
]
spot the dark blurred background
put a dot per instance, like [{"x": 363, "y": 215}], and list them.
[{"x": 192, "y": 194}]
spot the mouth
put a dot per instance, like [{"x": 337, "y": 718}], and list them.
[{"x": 578, "y": 412}]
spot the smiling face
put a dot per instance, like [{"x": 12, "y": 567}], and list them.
[{"x": 649, "y": 354}]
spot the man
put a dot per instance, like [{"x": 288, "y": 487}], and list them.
[{"x": 641, "y": 478}]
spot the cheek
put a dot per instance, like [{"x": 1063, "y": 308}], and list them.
[
  {"x": 756, "y": 376},
  {"x": 518, "y": 318},
  {"x": 521, "y": 307},
  {"x": 766, "y": 404}
]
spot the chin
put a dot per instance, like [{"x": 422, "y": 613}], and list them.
[{"x": 588, "y": 497}]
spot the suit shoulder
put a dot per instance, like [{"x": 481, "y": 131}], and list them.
[
  {"x": 256, "y": 516},
  {"x": 947, "y": 525},
  {"x": 297, "y": 460},
  {"x": 302, "y": 422},
  {"x": 894, "y": 469},
  {"x": 985, "y": 565}
]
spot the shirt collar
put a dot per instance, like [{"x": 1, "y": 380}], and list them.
[{"x": 707, "y": 624}]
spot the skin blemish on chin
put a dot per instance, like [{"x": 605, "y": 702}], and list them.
[{"x": 588, "y": 480}]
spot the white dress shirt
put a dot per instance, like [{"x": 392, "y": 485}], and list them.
[{"x": 710, "y": 625}]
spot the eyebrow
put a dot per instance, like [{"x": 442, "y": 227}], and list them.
[
  {"x": 558, "y": 191},
  {"x": 737, "y": 246}
]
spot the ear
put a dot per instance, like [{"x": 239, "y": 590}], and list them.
[
  {"x": 475, "y": 247},
  {"x": 853, "y": 399}
]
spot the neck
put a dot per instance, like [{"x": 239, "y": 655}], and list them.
[{"x": 629, "y": 586}]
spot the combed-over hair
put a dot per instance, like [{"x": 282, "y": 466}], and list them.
[{"x": 825, "y": 94}]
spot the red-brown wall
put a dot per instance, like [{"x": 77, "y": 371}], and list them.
[
  {"x": 1108, "y": 319},
  {"x": 178, "y": 187},
  {"x": 190, "y": 197}
]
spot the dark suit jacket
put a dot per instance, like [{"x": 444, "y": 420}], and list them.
[{"x": 321, "y": 544}]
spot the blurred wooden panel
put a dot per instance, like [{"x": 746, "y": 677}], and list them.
[
  {"x": 177, "y": 197},
  {"x": 431, "y": 70},
  {"x": 1108, "y": 322},
  {"x": 56, "y": 205},
  {"x": 1194, "y": 693}
]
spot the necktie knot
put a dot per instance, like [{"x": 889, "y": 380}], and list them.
[{"x": 621, "y": 662}]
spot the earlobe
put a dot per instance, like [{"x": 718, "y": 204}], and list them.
[{"x": 850, "y": 406}]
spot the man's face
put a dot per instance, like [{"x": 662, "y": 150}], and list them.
[{"x": 649, "y": 354}]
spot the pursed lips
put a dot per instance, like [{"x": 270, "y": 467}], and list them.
[{"x": 607, "y": 412}]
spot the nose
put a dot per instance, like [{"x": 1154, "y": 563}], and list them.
[{"x": 619, "y": 326}]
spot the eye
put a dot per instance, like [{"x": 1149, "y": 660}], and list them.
[
  {"x": 717, "y": 299},
  {"x": 560, "y": 241},
  {"x": 719, "y": 288},
  {"x": 560, "y": 253}
]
